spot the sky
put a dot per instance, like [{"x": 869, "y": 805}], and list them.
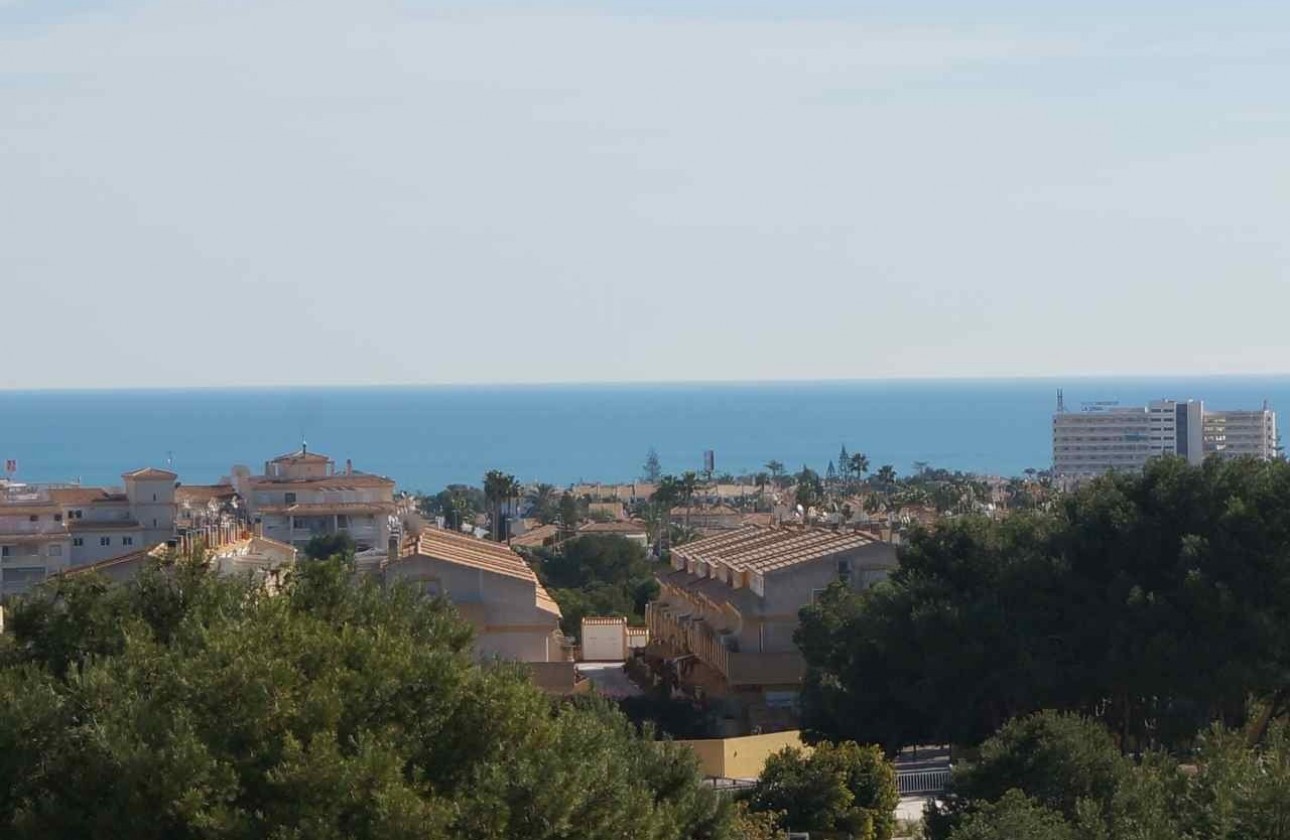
[{"x": 216, "y": 192}]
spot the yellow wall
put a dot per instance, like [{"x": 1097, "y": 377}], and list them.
[{"x": 740, "y": 758}]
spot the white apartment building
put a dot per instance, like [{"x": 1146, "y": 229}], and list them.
[
  {"x": 46, "y": 529},
  {"x": 302, "y": 496},
  {"x": 1103, "y": 437}
]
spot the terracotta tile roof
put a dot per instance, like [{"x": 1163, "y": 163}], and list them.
[
  {"x": 27, "y": 508},
  {"x": 631, "y": 526},
  {"x": 151, "y": 474},
  {"x": 697, "y": 511},
  {"x": 84, "y": 495},
  {"x": 119, "y": 560},
  {"x": 469, "y": 551},
  {"x": 770, "y": 549},
  {"x": 536, "y": 537}
]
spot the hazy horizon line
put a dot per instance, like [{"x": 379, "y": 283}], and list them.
[{"x": 1055, "y": 378}]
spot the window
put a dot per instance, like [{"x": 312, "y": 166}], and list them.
[
  {"x": 34, "y": 518},
  {"x": 105, "y": 540},
  {"x": 844, "y": 569},
  {"x": 74, "y": 514},
  {"x": 58, "y": 517},
  {"x": 291, "y": 498},
  {"x": 77, "y": 542},
  {"x": 5, "y": 551},
  {"x": 127, "y": 541},
  {"x": 154, "y": 497},
  {"x": 54, "y": 550},
  {"x": 342, "y": 521},
  {"x": 154, "y": 523}
]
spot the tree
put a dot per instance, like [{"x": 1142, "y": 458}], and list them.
[
  {"x": 324, "y": 546},
  {"x": 859, "y": 465},
  {"x": 1014, "y": 817},
  {"x": 776, "y": 470},
  {"x": 458, "y": 504},
  {"x": 653, "y": 470},
  {"x": 1148, "y": 601},
  {"x": 597, "y": 574},
  {"x": 210, "y": 708},
  {"x": 569, "y": 513},
  {"x": 1058, "y": 761},
  {"x": 546, "y": 505},
  {"x": 499, "y": 489},
  {"x": 834, "y": 788},
  {"x": 810, "y": 491},
  {"x": 844, "y": 464},
  {"x": 689, "y": 485}
]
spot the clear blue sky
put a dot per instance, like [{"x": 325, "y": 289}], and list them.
[{"x": 199, "y": 192}]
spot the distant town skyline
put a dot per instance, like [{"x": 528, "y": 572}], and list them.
[{"x": 552, "y": 192}]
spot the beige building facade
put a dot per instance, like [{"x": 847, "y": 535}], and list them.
[
  {"x": 728, "y": 608},
  {"x": 301, "y": 495},
  {"x": 491, "y": 586}
]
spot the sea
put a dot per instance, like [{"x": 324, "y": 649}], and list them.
[{"x": 428, "y": 437}]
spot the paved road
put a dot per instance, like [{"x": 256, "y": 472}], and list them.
[{"x": 609, "y": 679}]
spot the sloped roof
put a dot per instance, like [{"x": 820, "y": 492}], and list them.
[
  {"x": 631, "y": 526},
  {"x": 84, "y": 495},
  {"x": 151, "y": 474},
  {"x": 769, "y": 549},
  {"x": 536, "y": 537},
  {"x": 301, "y": 456},
  {"x": 469, "y": 551}
]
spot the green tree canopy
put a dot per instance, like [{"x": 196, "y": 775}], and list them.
[
  {"x": 1154, "y": 602},
  {"x": 597, "y": 574},
  {"x": 187, "y": 706},
  {"x": 833, "y": 788}
]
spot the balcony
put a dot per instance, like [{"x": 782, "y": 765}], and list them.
[{"x": 686, "y": 634}]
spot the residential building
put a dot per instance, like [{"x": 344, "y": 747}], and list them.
[
  {"x": 229, "y": 549},
  {"x": 49, "y": 528},
  {"x": 632, "y": 529},
  {"x": 301, "y": 496},
  {"x": 707, "y": 519},
  {"x": 491, "y": 586},
  {"x": 1104, "y": 436},
  {"x": 728, "y": 608}
]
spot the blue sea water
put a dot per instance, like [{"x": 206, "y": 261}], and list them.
[{"x": 426, "y": 437}]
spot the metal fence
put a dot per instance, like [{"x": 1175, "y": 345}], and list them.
[{"x": 914, "y": 782}]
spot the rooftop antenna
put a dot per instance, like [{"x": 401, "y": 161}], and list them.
[
  {"x": 170, "y": 457},
  {"x": 1061, "y": 401}
]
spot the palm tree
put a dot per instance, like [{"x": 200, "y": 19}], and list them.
[
  {"x": 689, "y": 485},
  {"x": 545, "y": 503},
  {"x": 499, "y": 488},
  {"x": 859, "y": 465},
  {"x": 776, "y": 470}
]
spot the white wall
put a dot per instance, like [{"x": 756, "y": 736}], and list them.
[{"x": 602, "y": 642}]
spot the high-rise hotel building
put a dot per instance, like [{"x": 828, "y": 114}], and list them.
[{"x": 1106, "y": 436}]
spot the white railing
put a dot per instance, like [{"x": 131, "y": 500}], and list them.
[{"x": 911, "y": 782}]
